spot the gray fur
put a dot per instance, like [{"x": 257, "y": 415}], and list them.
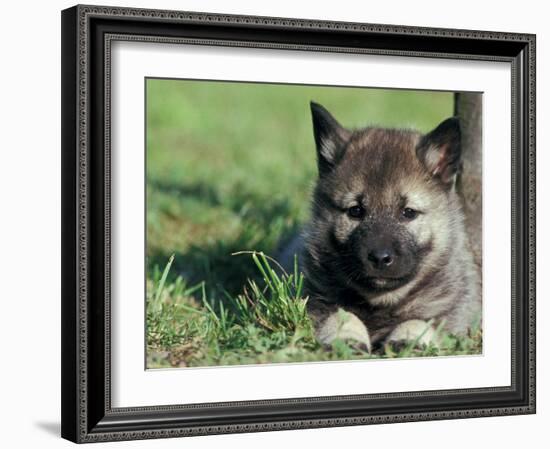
[{"x": 431, "y": 276}]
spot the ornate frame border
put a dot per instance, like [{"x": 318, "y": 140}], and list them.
[{"x": 87, "y": 34}]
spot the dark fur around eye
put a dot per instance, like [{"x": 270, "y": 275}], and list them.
[{"x": 356, "y": 212}]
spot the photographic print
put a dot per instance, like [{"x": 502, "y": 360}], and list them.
[
  {"x": 303, "y": 223},
  {"x": 296, "y": 201}
]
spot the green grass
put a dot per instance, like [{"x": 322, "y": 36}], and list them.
[
  {"x": 267, "y": 323},
  {"x": 230, "y": 168}
]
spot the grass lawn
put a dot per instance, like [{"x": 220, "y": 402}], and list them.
[{"x": 230, "y": 168}]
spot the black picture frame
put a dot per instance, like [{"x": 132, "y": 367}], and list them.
[{"x": 87, "y": 32}]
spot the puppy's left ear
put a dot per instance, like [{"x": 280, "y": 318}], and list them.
[{"x": 439, "y": 151}]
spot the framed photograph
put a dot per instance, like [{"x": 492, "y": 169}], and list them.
[{"x": 277, "y": 224}]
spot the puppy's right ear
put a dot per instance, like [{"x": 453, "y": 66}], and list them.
[{"x": 330, "y": 138}]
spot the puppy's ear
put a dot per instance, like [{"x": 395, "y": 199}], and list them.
[
  {"x": 330, "y": 138},
  {"x": 439, "y": 151}
]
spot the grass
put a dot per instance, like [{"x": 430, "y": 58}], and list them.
[
  {"x": 230, "y": 167},
  {"x": 267, "y": 323}
]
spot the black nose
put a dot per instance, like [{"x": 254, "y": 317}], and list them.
[{"x": 381, "y": 258}]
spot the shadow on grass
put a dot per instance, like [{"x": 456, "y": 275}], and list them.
[{"x": 265, "y": 225}]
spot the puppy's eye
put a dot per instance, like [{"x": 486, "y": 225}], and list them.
[
  {"x": 409, "y": 214},
  {"x": 356, "y": 211}
]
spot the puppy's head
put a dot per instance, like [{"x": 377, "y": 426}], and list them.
[{"x": 382, "y": 206}]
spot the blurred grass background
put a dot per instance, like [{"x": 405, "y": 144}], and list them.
[{"x": 231, "y": 166}]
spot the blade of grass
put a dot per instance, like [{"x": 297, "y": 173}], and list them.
[{"x": 160, "y": 287}]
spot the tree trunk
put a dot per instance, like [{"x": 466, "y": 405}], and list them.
[{"x": 468, "y": 109}]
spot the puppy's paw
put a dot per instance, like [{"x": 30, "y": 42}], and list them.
[
  {"x": 413, "y": 330},
  {"x": 342, "y": 325}
]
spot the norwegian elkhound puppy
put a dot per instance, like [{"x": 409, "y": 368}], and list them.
[{"x": 386, "y": 257}]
